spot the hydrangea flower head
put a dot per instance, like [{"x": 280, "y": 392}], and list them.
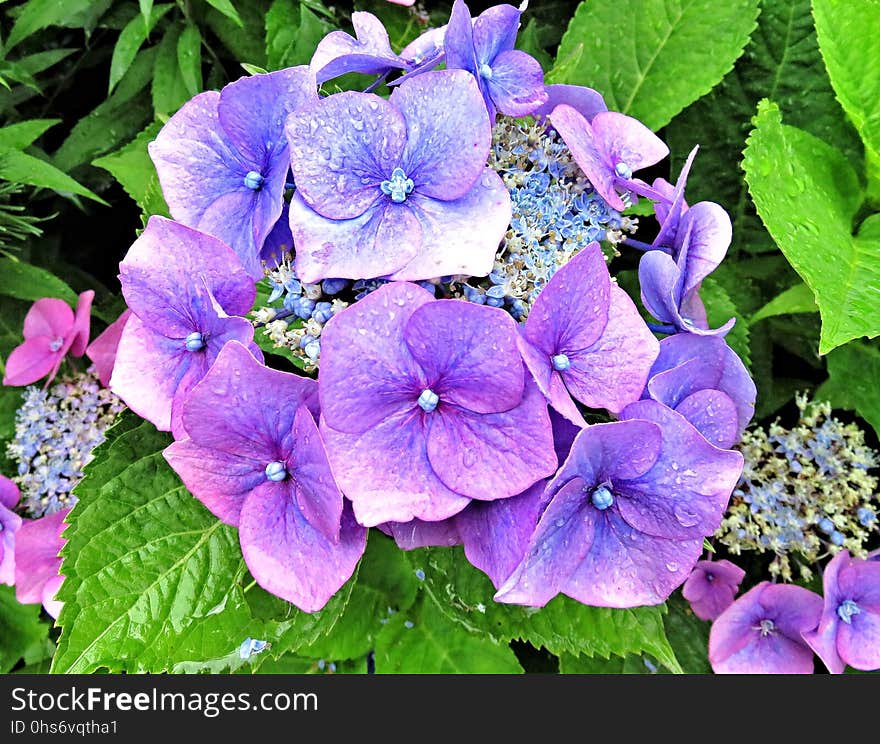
[
  {"x": 253, "y": 456},
  {"x": 584, "y": 339},
  {"x": 396, "y": 188},
  {"x": 609, "y": 149},
  {"x": 9, "y": 525},
  {"x": 510, "y": 80},
  {"x": 51, "y": 330},
  {"x": 703, "y": 379},
  {"x": 627, "y": 513},
  {"x": 425, "y": 405},
  {"x": 223, "y": 159},
  {"x": 184, "y": 288},
  {"x": 849, "y": 630},
  {"x": 711, "y": 587},
  {"x": 760, "y": 633},
  {"x": 37, "y": 561}
]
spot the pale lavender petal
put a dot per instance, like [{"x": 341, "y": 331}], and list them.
[
  {"x": 468, "y": 353},
  {"x": 624, "y": 139},
  {"x": 425, "y": 49},
  {"x": 102, "y": 351},
  {"x": 495, "y": 31},
  {"x": 10, "y": 523},
  {"x": 386, "y": 474},
  {"x": 9, "y": 493},
  {"x": 448, "y": 133},
  {"x": 458, "y": 42},
  {"x": 384, "y": 239},
  {"x": 288, "y": 556},
  {"x": 709, "y": 233},
  {"x": 495, "y": 455},
  {"x": 713, "y": 414},
  {"x": 421, "y": 534},
  {"x": 586, "y": 101},
  {"x": 517, "y": 83},
  {"x": 461, "y": 236},
  {"x": 561, "y": 400},
  {"x": 367, "y": 371},
  {"x": 669, "y": 213},
  {"x": 859, "y": 643},
  {"x": 37, "y": 545},
  {"x": 370, "y": 53},
  {"x": 658, "y": 280}
]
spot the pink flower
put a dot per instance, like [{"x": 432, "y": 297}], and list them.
[
  {"x": 10, "y": 522},
  {"x": 51, "y": 329},
  {"x": 37, "y": 563},
  {"x": 102, "y": 351},
  {"x": 711, "y": 587}
]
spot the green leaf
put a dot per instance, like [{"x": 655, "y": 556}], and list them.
[
  {"x": 146, "y": 7},
  {"x": 19, "y": 167},
  {"x": 796, "y": 299},
  {"x": 688, "y": 636},
  {"x": 807, "y": 194},
  {"x": 24, "y": 133},
  {"x": 292, "y": 33},
  {"x": 227, "y": 9},
  {"x": 847, "y": 34},
  {"x": 39, "y": 14},
  {"x": 189, "y": 58},
  {"x": 853, "y": 372},
  {"x": 719, "y": 309},
  {"x": 24, "y": 281},
  {"x": 130, "y": 40},
  {"x": 529, "y": 40},
  {"x": 132, "y": 166},
  {"x": 782, "y": 63},
  {"x": 571, "y": 664},
  {"x": 168, "y": 88},
  {"x": 424, "y": 641},
  {"x": 246, "y": 42},
  {"x": 465, "y": 594},
  {"x": 23, "y": 636},
  {"x": 652, "y": 58}
]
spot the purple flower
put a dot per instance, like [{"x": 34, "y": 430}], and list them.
[
  {"x": 760, "y": 633},
  {"x": 711, "y": 587},
  {"x": 671, "y": 207},
  {"x": 584, "y": 338},
  {"x": 609, "y": 149},
  {"x": 425, "y": 405},
  {"x": 703, "y": 379},
  {"x": 10, "y": 523},
  {"x": 849, "y": 629},
  {"x": 396, "y": 188},
  {"x": 670, "y": 283},
  {"x": 223, "y": 160},
  {"x": 627, "y": 513},
  {"x": 586, "y": 101},
  {"x": 426, "y": 50},
  {"x": 254, "y": 457},
  {"x": 370, "y": 53},
  {"x": 37, "y": 563},
  {"x": 511, "y": 81},
  {"x": 182, "y": 287}
]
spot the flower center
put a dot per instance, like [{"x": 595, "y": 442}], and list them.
[
  {"x": 56, "y": 344},
  {"x": 846, "y": 609},
  {"x": 602, "y": 497},
  {"x": 767, "y": 627},
  {"x": 428, "y": 400},
  {"x": 623, "y": 170},
  {"x": 195, "y": 341},
  {"x": 398, "y": 187},
  {"x": 276, "y": 471},
  {"x": 485, "y": 71},
  {"x": 560, "y": 362},
  {"x": 710, "y": 577},
  {"x": 254, "y": 180}
]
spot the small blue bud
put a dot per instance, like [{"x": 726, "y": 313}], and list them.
[
  {"x": 495, "y": 301},
  {"x": 398, "y": 187},
  {"x": 623, "y": 170},
  {"x": 321, "y": 664},
  {"x": 602, "y": 498},
  {"x": 323, "y": 312},
  {"x": 561, "y": 362},
  {"x": 194, "y": 342},
  {"x": 428, "y": 400},
  {"x": 251, "y": 646},
  {"x": 334, "y": 286},
  {"x": 254, "y": 180},
  {"x": 276, "y": 471},
  {"x": 866, "y": 516},
  {"x": 408, "y": 624},
  {"x": 302, "y": 307},
  {"x": 846, "y": 609},
  {"x": 313, "y": 350},
  {"x": 837, "y": 538},
  {"x": 826, "y": 525},
  {"x": 305, "y": 341},
  {"x": 420, "y": 575},
  {"x": 56, "y": 344}
]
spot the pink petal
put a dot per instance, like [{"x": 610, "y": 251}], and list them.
[
  {"x": 31, "y": 361},
  {"x": 49, "y": 317},
  {"x": 102, "y": 351}
]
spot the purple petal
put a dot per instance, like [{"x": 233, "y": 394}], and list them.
[
  {"x": 386, "y": 474},
  {"x": 10, "y": 523},
  {"x": 698, "y": 476},
  {"x": 517, "y": 83},
  {"x": 425, "y": 49},
  {"x": 79, "y": 333},
  {"x": 658, "y": 279},
  {"x": 586, "y": 101},
  {"x": 461, "y": 236},
  {"x": 102, "y": 351},
  {"x": 288, "y": 556},
  {"x": 421, "y": 534},
  {"x": 493, "y": 455},
  {"x": 713, "y": 414},
  {"x": 468, "y": 354},
  {"x": 564, "y": 433},
  {"x": 367, "y": 370},
  {"x": 279, "y": 241},
  {"x": 9, "y": 493},
  {"x": 612, "y": 372},
  {"x": 382, "y": 240},
  {"x": 448, "y": 133},
  {"x": 458, "y": 43},
  {"x": 37, "y": 545},
  {"x": 622, "y": 138},
  {"x": 709, "y": 230},
  {"x": 370, "y": 53},
  {"x": 341, "y": 149},
  {"x": 669, "y": 213},
  {"x": 495, "y": 31},
  {"x": 711, "y": 587}
]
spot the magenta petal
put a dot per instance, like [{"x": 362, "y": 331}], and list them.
[
  {"x": 31, "y": 361},
  {"x": 382, "y": 240},
  {"x": 367, "y": 371},
  {"x": 612, "y": 372},
  {"x": 859, "y": 643},
  {"x": 468, "y": 353},
  {"x": 713, "y": 413},
  {"x": 386, "y": 474},
  {"x": 461, "y": 236},
  {"x": 9, "y": 493},
  {"x": 50, "y": 591},
  {"x": 102, "y": 351},
  {"x": 517, "y": 83},
  {"x": 37, "y": 544},
  {"x": 341, "y": 149},
  {"x": 711, "y": 587},
  {"x": 586, "y": 101},
  {"x": 447, "y": 145},
  {"x": 10, "y": 523},
  {"x": 49, "y": 317},
  {"x": 288, "y": 556},
  {"x": 493, "y": 455},
  {"x": 625, "y": 139},
  {"x": 79, "y": 338}
]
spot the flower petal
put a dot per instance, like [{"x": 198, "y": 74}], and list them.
[
  {"x": 586, "y": 101},
  {"x": 31, "y": 361},
  {"x": 370, "y": 53},
  {"x": 517, "y": 83},
  {"x": 37, "y": 545},
  {"x": 48, "y": 317},
  {"x": 623, "y": 138},
  {"x": 102, "y": 351},
  {"x": 713, "y": 414}
]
